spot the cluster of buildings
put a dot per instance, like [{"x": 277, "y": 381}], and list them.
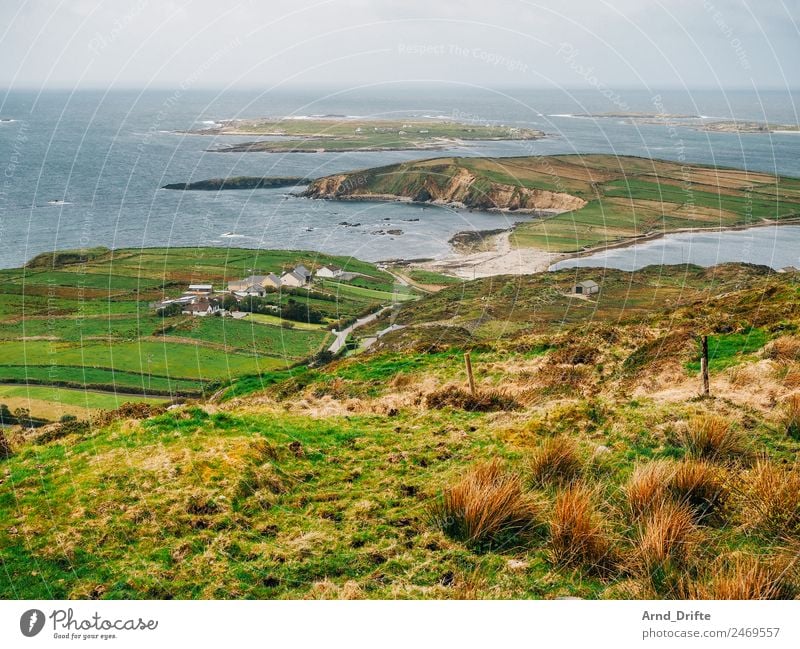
[{"x": 199, "y": 299}]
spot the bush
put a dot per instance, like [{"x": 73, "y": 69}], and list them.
[
  {"x": 713, "y": 438},
  {"x": 486, "y": 508},
  {"x": 578, "y": 536},
  {"x": 5, "y": 446},
  {"x": 785, "y": 348},
  {"x": 558, "y": 459}
]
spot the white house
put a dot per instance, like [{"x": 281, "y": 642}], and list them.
[
  {"x": 329, "y": 272},
  {"x": 293, "y": 278},
  {"x": 202, "y": 307}
]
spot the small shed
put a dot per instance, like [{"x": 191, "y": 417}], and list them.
[{"x": 587, "y": 287}]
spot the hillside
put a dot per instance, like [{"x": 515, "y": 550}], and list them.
[
  {"x": 599, "y": 199},
  {"x": 586, "y": 465}
]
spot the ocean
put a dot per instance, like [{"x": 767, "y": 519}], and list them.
[{"x": 85, "y": 168}]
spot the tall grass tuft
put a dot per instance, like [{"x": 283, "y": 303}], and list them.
[
  {"x": 747, "y": 577},
  {"x": 486, "y": 508},
  {"x": 648, "y": 486},
  {"x": 666, "y": 539},
  {"x": 713, "y": 438},
  {"x": 701, "y": 485},
  {"x": 791, "y": 415},
  {"x": 578, "y": 534},
  {"x": 557, "y": 460},
  {"x": 769, "y": 499}
]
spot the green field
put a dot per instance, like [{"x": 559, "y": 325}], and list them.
[
  {"x": 311, "y": 135},
  {"x": 83, "y": 320},
  {"x": 603, "y": 199},
  {"x": 586, "y": 464}
]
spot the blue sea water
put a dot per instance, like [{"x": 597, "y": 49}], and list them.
[{"x": 105, "y": 155}]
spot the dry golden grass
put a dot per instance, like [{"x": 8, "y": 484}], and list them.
[
  {"x": 746, "y": 577},
  {"x": 647, "y": 487},
  {"x": 701, "y": 485},
  {"x": 558, "y": 459},
  {"x": 713, "y": 437},
  {"x": 785, "y": 348},
  {"x": 666, "y": 538},
  {"x": 578, "y": 534},
  {"x": 791, "y": 415},
  {"x": 769, "y": 498},
  {"x": 487, "y": 507}
]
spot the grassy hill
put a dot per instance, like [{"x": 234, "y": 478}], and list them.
[
  {"x": 78, "y": 325},
  {"x": 604, "y": 199},
  {"x": 586, "y": 465}
]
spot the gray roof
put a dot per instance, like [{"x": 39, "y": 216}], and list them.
[
  {"x": 301, "y": 271},
  {"x": 296, "y": 275},
  {"x": 587, "y": 284}
]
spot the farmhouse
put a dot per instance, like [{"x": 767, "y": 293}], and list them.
[
  {"x": 255, "y": 284},
  {"x": 329, "y": 272},
  {"x": 202, "y": 307},
  {"x": 293, "y": 278},
  {"x": 587, "y": 287}
]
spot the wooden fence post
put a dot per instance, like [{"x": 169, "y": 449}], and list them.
[
  {"x": 704, "y": 365},
  {"x": 468, "y": 363}
]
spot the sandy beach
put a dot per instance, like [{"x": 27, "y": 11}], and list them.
[{"x": 504, "y": 259}]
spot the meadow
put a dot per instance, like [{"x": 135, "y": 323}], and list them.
[
  {"x": 586, "y": 464},
  {"x": 84, "y": 320}
]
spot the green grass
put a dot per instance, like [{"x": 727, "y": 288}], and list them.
[
  {"x": 725, "y": 350},
  {"x": 432, "y": 278},
  {"x": 82, "y": 318}
]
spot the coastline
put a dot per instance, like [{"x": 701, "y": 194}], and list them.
[{"x": 504, "y": 259}]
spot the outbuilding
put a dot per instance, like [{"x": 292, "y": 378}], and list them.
[{"x": 587, "y": 287}]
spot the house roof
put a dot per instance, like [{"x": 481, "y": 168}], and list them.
[
  {"x": 587, "y": 284},
  {"x": 295, "y": 274},
  {"x": 200, "y": 287},
  {"x": 301, "y": 271},
  {"x": 329, "y": 267},
  {"x": 274, "y": 278}
]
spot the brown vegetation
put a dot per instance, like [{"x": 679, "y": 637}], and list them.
[
  {"x": 487, "y": 507},
  {"x": 578, "y": 535}
]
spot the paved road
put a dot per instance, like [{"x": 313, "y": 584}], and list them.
[{"x": 341, "y": 336}]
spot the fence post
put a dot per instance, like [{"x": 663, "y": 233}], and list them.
[
  {"x": 704, "y": 365},
  {"x": 468, "y": 363}
]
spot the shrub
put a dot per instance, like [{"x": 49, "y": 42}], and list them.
[
  {"x": 486, "y": 508},
  {"x": 578, "y": 536},
  {"x": 5, "y": 446},
  {"x": 482, "y": 401},
  {"x": 558, "y": 459},
  {"x": 713, "y": 437},
  {"x": 666, "y": 537},
  {"x": 791, "y": 415},
  {"x": 770, "y": 499}
]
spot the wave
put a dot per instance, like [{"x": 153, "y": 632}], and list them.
[{"x": 232, "y": 235}]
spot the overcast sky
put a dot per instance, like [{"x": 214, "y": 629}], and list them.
[{"x": 563, "y": 43}]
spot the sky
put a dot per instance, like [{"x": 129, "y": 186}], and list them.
[{"x": 347, "y": 43}]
